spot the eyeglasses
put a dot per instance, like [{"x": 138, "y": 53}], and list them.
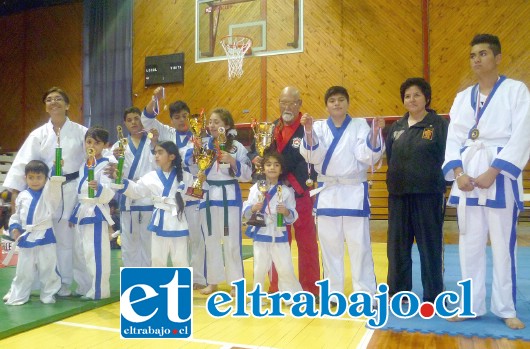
[
  {"x": 288, "y": 104},
  {"x": 54, "y": 99}
]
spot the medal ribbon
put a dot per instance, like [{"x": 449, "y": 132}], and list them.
[{"x": 475, "y": 101}]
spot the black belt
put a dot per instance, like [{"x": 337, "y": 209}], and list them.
[{"x": 72, "y": 176}]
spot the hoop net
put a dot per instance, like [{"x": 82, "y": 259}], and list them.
[{"x": 235, "y": 47}]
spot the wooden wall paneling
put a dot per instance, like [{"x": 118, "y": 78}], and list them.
[
  {"x": 168, "y": 26},
  {"x": 382, "y": 47},
  {"x": 55, "y": 44},
  {"x": 317, "y": 68},
  {"x": 453, "y": 25},
  {"x": 12, "y": 81}
]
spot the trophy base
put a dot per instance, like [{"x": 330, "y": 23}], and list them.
[
  {"x": 117, "y": 186},
  {"x": 195, "y": 192},
  {"x": 257, "y": 220},
  {"x": 90, "y": 201},
  {"x": 58, "y": 179}
]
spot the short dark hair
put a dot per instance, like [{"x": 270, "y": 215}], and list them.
[
  {"x": 98, "y": 133},
  {"x": 492, "y": 40},
  {"x": 422, "y": 84},
  {"x": 131, "y": 110},
  {"x": 336, "y": 90},
  {"x": 37, "y": 166},
  {"x": 59, "y": 91},
  {"x": 177, "y": 107}
]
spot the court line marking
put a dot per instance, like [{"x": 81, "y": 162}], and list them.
[
  {"x": 193, "y": 340},
  {"x": 367, "y": 337}
]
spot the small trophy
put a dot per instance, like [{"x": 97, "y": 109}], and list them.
[
  {"x": 205, "y": 159},
  {"x": 258, "y": 218},
  {"x": 57, "y": 176},
  {"x": 91, "y": 165},
  {"x": 279, "y": 216},
  {"x": 122, "y": 144},
  {"x": 263, "y": 137},
  {"x": 221, "y": 139}
]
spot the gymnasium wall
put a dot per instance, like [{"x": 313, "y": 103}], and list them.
[
  {"x": 41, "y": 48},
  {"x": 370, "y": 47}
]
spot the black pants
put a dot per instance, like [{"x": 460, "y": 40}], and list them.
[{"x": 417, "y": 216}]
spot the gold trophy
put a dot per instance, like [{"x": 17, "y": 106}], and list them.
[
  {"x": 258, "y": 218},
  {"x": 204, "y": 159},
  {"x": 263, "y": 134},
  {"x": 221, "y": 140},
  {"x": 198, "y": 129}
]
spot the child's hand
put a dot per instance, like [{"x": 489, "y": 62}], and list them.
[
  {"x": 227, "y": 158},
  {"x": 93, "y": 184},
  {"x": 280, "y": 208},
  {"x": 15, "y": 233},
  {"x": 154, "y": 139},
  {"x": 257, "y": 207},
  {"x": 111, "y": 170}
]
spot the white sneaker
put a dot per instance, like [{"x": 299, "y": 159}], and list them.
[
  {"x": 7, "y": 295},
  {"x": 64, "y": 291}
]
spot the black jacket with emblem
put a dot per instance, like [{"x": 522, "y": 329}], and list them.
[{"x": 415, "y": 155}]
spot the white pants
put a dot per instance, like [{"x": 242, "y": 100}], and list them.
[
  {"x": 501, "y": 225},
  {"x": 135, "y": 238},
  {"x": 197, "y": 247},
  {"x": 36, "y": 263},
  {"x": 217, "y": 245},
  {"x": 332, "y": 231},
  {"x": 174, "y": 247},
  {"x": 64, "y": 234},
  {"x": 92, "y": 260},
  {"x": 265, "y": 253}
]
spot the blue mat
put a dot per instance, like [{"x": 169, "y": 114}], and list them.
[{"x": 488, "y": 326}]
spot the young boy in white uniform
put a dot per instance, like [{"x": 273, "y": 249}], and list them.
[
  {"x": 135, "y": 215},
  {"x": 32, "y": 228},
  {"x": 487, "y": 149},
  {"x": 342, "y": 148},
  {"x": 92, "y": 219}
]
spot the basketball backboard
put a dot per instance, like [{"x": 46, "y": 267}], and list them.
[{"x": 275, "y": 26}]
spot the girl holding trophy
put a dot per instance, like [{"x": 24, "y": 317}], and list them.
[
  {"x": 168, "y": 223},
  {"x": 92, "y": 218},
  {"x": 271, "y": 243},
  {"x": 220, "y": 209}
]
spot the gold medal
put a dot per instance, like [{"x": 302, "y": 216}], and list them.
[
  {"x": 309, "y": 182},
  {"x": 475, "y": 133},
  {"x": 149, "y": 135}
]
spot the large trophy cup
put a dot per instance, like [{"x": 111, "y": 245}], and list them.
[
  {"x": 204, "y": 159},
  {"x": 122, "y": 144},
  {"x": 263, "y": 133}
]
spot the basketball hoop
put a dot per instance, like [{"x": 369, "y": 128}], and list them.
[{"x": 235, "y": 47}]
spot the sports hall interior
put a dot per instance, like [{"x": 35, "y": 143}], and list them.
[{"x": 369, "y": 47}]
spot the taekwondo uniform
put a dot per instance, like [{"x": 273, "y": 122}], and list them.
[
  {"x": 136, "y": 214},
  {"x": 40, "y": 145},
  {"x": 342, "y": 157},
  {"x": 197, "y": 247},
  {"x": 92, "y": 240},
  {"x": 502, "y": 142},
  {"x": 287, "y": 142},
  {"x": 220, "y": 211},
  {"x": 37, "y": 258},
  {"x": 271, "y": 244},
  {"x": 169, "y": 234}
]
